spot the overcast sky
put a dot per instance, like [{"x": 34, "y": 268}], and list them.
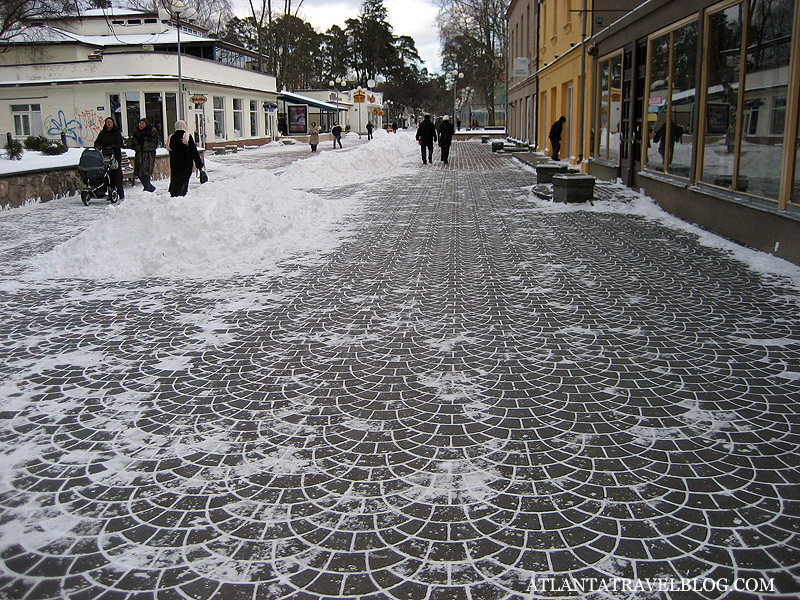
[{"x": 414, "y": 18}]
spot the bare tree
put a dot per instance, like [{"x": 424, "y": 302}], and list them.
[
  {"x": 474, "y": 37},
  {"x": 13, "y": 13},
  {"x": 211, "y": 14}
]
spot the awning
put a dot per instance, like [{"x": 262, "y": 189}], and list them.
[{"x": 298, "y": 99}]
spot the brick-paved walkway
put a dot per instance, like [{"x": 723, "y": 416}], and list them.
[{"x": 469, "y": 392}]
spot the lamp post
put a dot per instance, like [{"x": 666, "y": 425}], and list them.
[
  {"x": 456, "y": 75},
  {"x": 180, "y": 11},
  {"x": 335, "y": 83}
]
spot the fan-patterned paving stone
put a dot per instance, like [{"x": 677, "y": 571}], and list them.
[{"x": 467, "y": 398}]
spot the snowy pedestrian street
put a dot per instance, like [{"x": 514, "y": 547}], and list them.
[{"x": 348, "y": 375}]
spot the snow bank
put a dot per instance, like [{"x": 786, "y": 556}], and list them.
[
  {"x": 242, "y": 224},
  {"x": 382, "y": 157},
  {"x": 242, "y": 221}
]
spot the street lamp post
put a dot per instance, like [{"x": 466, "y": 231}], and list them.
[
  {"x": 335, "y": 83},
  {"x": 456, "y": 75},
  {"x": 180, "y": 11}
]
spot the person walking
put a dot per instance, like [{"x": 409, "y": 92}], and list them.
[
  {"x": 337, "y": 135},
  {"x": 313, "y": 137},
  {"x": 555, "y": 136},
  {"x": 370, "y": 127},
  {"x": 458, "y": 124},
  {"x": 110, "y": 140},
  {"x": 445, "y": 137},
  {"x": 394, "y": 126},
  {"x": 426, "y": 135},
  {"x": 144, "y": 142},
  {"x": 182, "y": 153}
]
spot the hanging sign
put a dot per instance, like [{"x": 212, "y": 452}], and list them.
[
  {"x": 198, "y": 99},
  {"x": 359, "y": 97}
]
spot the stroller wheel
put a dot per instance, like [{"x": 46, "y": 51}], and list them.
[
  {"x": 85, "y": 198},
  {"x": 113, "y": 196}
]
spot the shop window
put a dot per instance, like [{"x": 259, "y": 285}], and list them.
[
  {"x": 171, "y": 107},
  {"x": 237, "y": 117},
  {"x": 253, "y": 118},
  {"x": 219, "y": 118},
  {"x": 769, "y": 31},
  {"x": 609, "y": 135},
  {"x": 153, "y": 111},
  {"x": 671, "y": 101},
  {"x": 133, "y": 112},
  {"x": 27, "y": 119},
  {"x": 795, "y": 197}
]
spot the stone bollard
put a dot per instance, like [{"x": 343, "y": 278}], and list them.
[
  {"x": 573, "y": 188},
  {"x": 545, "y": 172}
]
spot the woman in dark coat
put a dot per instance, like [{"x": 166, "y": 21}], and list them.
[
  {"x": 145, "y": 141},
  {"x": 110, "y": 138},
  {"x": 182, "y": 153},
  {"x": 445, "y": 137}
]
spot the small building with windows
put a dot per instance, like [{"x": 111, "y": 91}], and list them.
[
  {"x": 698, "y": 103},
  {"x": 63, "y": 77}
]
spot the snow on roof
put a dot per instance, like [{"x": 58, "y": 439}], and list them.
[
  {"x": 51, "y": 35},
  {"x": 312, "y": 101}
]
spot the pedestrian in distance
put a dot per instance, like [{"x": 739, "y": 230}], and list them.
[
  {"x": 370, "y": 127},
  {"x": 445, "y": 137},
  {"x": 458, "y": 124},
  {"x": 555, "y": 136},
  {"x": 426, "y": 135},
  {"x": 394, "y": 126},
  {"x": 144, "y": 142},
  {"x": 110, "y": 140},
  {"x": 337, "y": 135},
  {"x": 313, "y": 136},
  {"x": 182, "y": 155}
]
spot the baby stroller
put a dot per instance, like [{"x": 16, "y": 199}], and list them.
[{"x": 93, "y": 168}]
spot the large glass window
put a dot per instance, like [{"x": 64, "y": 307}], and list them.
[
  {"x": 769, "y": 35},
  {"x": 154, "y": 112},
  {"x": 722, "y": 67},
  {"x": 671, "y": 101},
  {"x": 795, "y": 197},
  {"x": 219, "y": 118},
  {"x": 615, "y": 109},
  {"x": 253, "y": 118},
  {"x": 171, "y": 106},
  {"x": 133, "y": 112},
  {"x": 237, "y": 117},
  {"x": 609, "y": 135},
  {"x": 602, "y": 130}
]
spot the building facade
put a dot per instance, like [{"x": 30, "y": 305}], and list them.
[
  {"x": 62, "y": 78},
  {"x": 696, "y": 102},
  {"x": 549, "y": 46}
]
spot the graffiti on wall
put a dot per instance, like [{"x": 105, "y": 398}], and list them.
[{"x": 82, "y": 129}]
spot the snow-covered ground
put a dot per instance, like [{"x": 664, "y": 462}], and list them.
[{"x": 243, "y": 220}]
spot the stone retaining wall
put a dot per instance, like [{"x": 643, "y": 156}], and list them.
[{"x": 44, "y": 185}]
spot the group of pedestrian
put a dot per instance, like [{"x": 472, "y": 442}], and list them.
[
  {"x": 427, "y": 133},
  {"x": 183, "y": 155}
]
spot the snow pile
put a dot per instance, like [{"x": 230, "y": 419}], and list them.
[
  {"x": 384, "y": 155},
  {"x": 240, "y": 224}
]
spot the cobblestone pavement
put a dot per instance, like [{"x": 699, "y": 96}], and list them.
[{"x": 471, "y": 398}]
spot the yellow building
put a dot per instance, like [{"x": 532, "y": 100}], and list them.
[{"x": 548, "y": 36}]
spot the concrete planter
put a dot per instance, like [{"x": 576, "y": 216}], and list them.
[{"x": 573, "y": 188}]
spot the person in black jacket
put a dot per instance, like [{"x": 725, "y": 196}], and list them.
[
  {"x": 144, "y": 142},
  {"x": 110, "y": 140},
  {"x": 445, "y": 137},
  {"x": 555, "y": 136},
  {"x": 337, "y": 135},
  {"x": 426, "y": 135},
  {"x": 182, "y": 153}
]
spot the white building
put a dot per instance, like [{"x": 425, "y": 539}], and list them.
[{"x": 66, "y": 76}]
